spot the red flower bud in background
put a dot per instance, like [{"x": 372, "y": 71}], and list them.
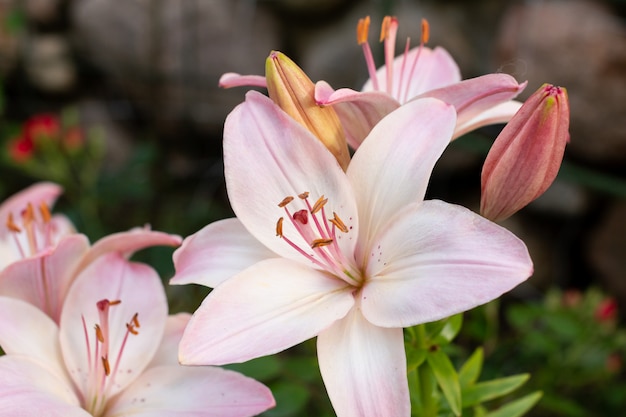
[
  {"x": 21, "y": 149},
  {"x": 527, "y": 155},
  {"x": 42, "y": 126},
  {"x": 606, "y": 311}
]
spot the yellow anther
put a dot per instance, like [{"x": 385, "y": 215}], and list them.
[
  {"x": 115, "y": 302},
  {"x": 425, "y": 31},
  {"x": 285, "y": 201},
  {"x": 317, "y": 243},
  {"x": 279, "y": 227},
  {"x": 99, "y": 334},
  {"x": 11, "y": 224},
  {"x": 135, "y": 320},
  {"x": 338, "y": 223},
  {"x": 45, "y": 212},
  {"x": 304, "y": 195},
  {"x": 321, "y": 202},
  {"x": 107, "y": 367},
  {"x": 384, "y": 27},
  {"x": 362, "y": 30}
]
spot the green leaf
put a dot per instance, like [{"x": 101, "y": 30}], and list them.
[
  {"x": 470, "y": 371},
  {"x": 518, "y": 407},
  {"x": 450, "y": 330},
  {"x": 291, "y": 399},
  {"x": 414, "y": 358},
  {"x": 488, "y": 390},
  {"x": 447, "y": 378}
]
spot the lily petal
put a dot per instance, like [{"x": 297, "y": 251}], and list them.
[
  {"x": 473, "y": 96},
  {"x": 393, "y": 165},
  {"x": 167, "y": 353},
  {"x": 217, "y": 252},
  {"x": 28, "y": 390},
  {"x": 27, "y": 331},
  {"x": 44, "y": 280},
  {"x": 435, "y": 68},
  {"x": 232, "y": 79},
  {"x": 286, "y": 160},
  {"x": 185, "y": 391},
  {"x": 358, "y": 112},
  {"x": 364, "y": 368},
  {"x": 140, "y": 291},
  {"x": 267, "y": 308},
  {"x": 127, "y": 243},
  {"x": 500, "y": 113},
  {"x": 436, "y": 259}
]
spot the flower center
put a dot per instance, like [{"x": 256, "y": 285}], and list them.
[
  {"x": 35, "y": 232},
  {"x": 103, "y": 365},
  {"x": 388, "y": 32},
  {"x": 320, "y": 232}
]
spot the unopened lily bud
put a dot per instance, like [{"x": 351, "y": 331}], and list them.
[
  {"x": 290, "y": 88},
  {"x": 527, "y": 155}
]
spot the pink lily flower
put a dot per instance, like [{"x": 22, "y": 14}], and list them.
[
  {"x": 42, "y": 254},
  {"x": 417, "y": 73},
  {"x": 350, "y": 257},
  {"x": 113, "y": 354}
]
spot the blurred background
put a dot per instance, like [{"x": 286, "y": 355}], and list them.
[{"x": 118, "y": 102}]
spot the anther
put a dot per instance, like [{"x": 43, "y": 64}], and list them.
[
  {"x": 304, "y": 195},
  {"x": 106, "y": 366},
  {"x": 279, "y": 227},
  {"x": 99, "y": 334},
  {"x": 321, "y": 202},
  {"x": 338, "y": 223},
  {"x": 45, "y": 212},
  {"x": 362, "y": 30},
  {"x": 384, "y": 28},
  {"x": 425, "y": 31},
  {"x": 11, "y": 224},
  {"x": 285, "y": 201},
  {"x": 135, "y": 320},
  {"x": 318, "y": 243}
]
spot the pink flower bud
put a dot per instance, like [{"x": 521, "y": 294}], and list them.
[{"x": 526, "y": 156}]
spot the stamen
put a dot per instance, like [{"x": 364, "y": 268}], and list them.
[
  {"x": 107, "y": 367},
  {"x": 301, "y": 216},
  {"x": 285, "y": 201},
  {"x": 388, "y": 32},
  {"x": 321, "y": 202},
  {"x": 134, "y": 324},
  {"x": 279, "y": 227},
  {"x": 304, "y": 195},
  {"x": 338, "y": 223},
  {"x": 362, "y": 30},
  {"x": 11, "y": 224},
  {"x": 425, "y": 31},
  {"x": 318, "y": 243}
]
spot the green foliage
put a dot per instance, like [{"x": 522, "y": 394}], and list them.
[
  {"x": 573, "y": 345},
  {"x": 439, "y": 390}
]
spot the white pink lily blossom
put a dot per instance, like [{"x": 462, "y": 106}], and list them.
[
  {"x": 350, "y": 257},
  {"x": 114, "y": 353},
  {"x": 42, "y": 254},
  {"x": 417, "y": 73}
]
